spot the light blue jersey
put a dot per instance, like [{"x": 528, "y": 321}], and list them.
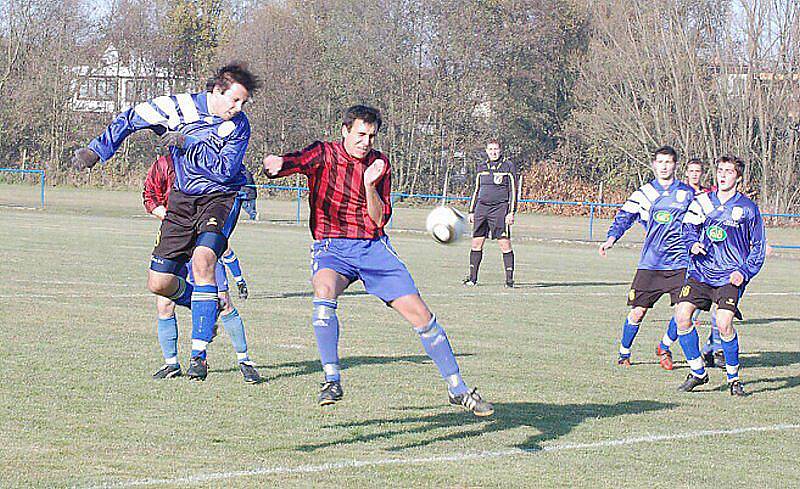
[
  {"x": 211, "y": 159},
  {"x": 660, "y": 211},
  {"x": 732, "y": 235}
]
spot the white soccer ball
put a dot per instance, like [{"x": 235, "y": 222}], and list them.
[{"x": 445, "y": 224}]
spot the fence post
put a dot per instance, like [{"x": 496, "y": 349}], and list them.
[
  {"x": 41, "y": 178},
  {"x": 591, "y": 219},
  {"x": 299, "y": 203},
  {"x": 391, "y": 218}
]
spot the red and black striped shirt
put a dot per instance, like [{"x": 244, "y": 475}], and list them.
[
  {"x": 158, "y": 183},
  {"x": 338, "y": 199}
]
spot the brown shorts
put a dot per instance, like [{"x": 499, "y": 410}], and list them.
[
  {"x": 649, "y": 285},
  {"x": 704, "y": 295}
]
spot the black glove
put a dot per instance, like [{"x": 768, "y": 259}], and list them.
[
  {"x": 84, "y": 158},
  {"x": 173, "y": 138}
]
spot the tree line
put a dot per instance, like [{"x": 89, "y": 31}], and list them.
[{"x": 586, "y": 87}]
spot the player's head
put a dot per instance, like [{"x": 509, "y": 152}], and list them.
[
  {"x": 730, "y": 170},
  {"x": 231, "y": 87},
  {"x": 359, "y": 127},
  {"x": 493, "y": 150},
  {"x": 694, "y": 172},
  {"x": 664, "y": 161}
]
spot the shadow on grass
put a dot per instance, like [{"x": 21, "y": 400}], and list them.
[
  {"x": 293, "y": 295},
  {"x": 540, "y": 285},
  {"x": 552, "y": 421},
  {"x": 769, "y": 359},
  {"x": 763, "y": 321},
  {"x": 313, "y": 367},
  {"x": 776, "y": 384}
]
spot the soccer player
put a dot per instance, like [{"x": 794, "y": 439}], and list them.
[
  {"x": 250, "y": 196},
  {"x": 155, "y": 196},
  {"x": 350, "y": 205},
  {"x": 724, "y": 234},
  {"x": 659, "y": 206},
  {"x": 207, "y": 135},
  {"x": 491, "y": 210}
]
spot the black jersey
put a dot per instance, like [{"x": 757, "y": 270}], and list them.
[{"x": 497, "y": 182}]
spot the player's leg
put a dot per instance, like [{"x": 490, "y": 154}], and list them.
[
  {"x": 234, "y": 327},
  {"x": 167, "y": 328},
  {"x": 727, "y": 303},
  {"x": 630, "y": 328},
  {"x": 693, "y": 295},
  {"x": 168, "y": 271},
  {"x": 231, "y": 261},
  {"x": 508, "y": 259},
  {"x": 480, "y": 230},
  {"x": 663, "y": 349},
  {"x": 385, "y": 276},
  {"x": 328, "y": 285}
]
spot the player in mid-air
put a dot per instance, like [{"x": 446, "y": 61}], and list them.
[
  {"x": 350, "y": 204},
  {"x": 207, "y": 135},
  {"x": 155, "y": 197},
  {"x": 492, "y": 209},
  {"x": 724, "y": 234},
  {"x": 659, "y": 205}
]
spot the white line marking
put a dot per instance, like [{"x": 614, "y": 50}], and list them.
[{"x": 456, "y": 457}]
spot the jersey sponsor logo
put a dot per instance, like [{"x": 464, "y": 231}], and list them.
[
  {"x": 662, "y": 217},
  {"x": 685, "y": 291},
  {"x": 716, "y": 234},
  {"x": 737, "y": 213}
]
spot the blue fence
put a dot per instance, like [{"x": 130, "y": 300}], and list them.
[
  {"x": 593, "y": 206},
  {"x": 41, "y": 174}
]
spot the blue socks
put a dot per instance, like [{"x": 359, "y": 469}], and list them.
[
  {"x": 326, "y": 329},
  {"x": 232, "y": 262},
  {"x": 434, "y": 341},
  {"x": 182, "y": 296},
  {"x": 730, "y": 346},
  {"x": 234, "y": 326},
  {"x": 690, "y": 343},
  {"x": 204, "y": 315},
  {"x": 168, "y": 339},
  {"x": 671, "y": 335},
  {"x": 629, "y": 331}
]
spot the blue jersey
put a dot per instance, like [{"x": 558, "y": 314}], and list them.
[
  {"x": 661, "y": 213},
  {"x": 211, "y": 158},
  {"x": 732, "y": 234}
]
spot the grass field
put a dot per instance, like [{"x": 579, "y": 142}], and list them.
[{"x": 78, "y": 343}]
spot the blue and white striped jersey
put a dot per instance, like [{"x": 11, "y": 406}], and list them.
[
  {"x": 732, "y": 234},
  {"x": 660, "y": 211},
  {"x": 211, "y": 159}
]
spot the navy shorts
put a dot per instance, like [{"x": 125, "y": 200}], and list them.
[{"x": 373, "y": 261}]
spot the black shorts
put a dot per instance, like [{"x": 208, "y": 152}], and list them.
[
  {"x": 189, "y": 216},
  {"x": 490, "y": 220},
  {"x": 649, "y": 285},
  {"x": 704, "y": 295}
]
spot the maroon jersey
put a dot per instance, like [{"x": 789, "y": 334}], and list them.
[
  {"x": 158, "y": 183},
  {"x": 338, "y": 199}
]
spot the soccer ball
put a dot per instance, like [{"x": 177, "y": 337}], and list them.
[{"x": 445, "y": 224}]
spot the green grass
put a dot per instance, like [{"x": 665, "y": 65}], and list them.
[{"x": 78, "y": 346}]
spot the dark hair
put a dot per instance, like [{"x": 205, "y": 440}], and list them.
[
  {"x": 666, "y": 150},
  {"x": 369, "y": 115},
  {"x": 738, "y": 164},
  {"x": 695, "y": 161},
  {"x": 494, "y": 141},
  {"x": 234, "y": 73}
]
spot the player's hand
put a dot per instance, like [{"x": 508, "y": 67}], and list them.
[
  {"x": 603, "y": 250},
  {"x": 374, "y": 172},
  {"x": 698, "y": 249},
  {"x": 509, "y": 219},
  {"x": 84, "y": 158},
  {"x": 273, "y": 164},
  {"x": 173, "y": 138},
  {"x": 737, "y": 278},
  {"x": 471, "y": 217},
  {"x": 160, "y": 212}
]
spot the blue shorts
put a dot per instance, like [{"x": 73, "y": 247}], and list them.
[
  {"x": 373, "y": 261},
  {"x": 219, "y": 273}
]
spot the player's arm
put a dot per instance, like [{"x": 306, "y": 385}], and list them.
[
  {"x": 377, "y": 185},
  {"x": 474, "y": 200},
  {"x": 513, "y": 193},
  {"x": 626, "y": 216},
  {"x": 155, "y": 180},
  {"x": 758, "y": 247},
  {"x": 692, "y": 227},
  {"x": 303, "y": 161}
]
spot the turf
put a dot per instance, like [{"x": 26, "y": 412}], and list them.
[{"x": 78, "y": 339}]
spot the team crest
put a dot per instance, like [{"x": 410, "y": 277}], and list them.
[
  {"x": 680, "y": 195},
  {"x": 737, "y": 213},
  {"x": 498, "y": 179},
  {"x": 662, "y": 217},
  {"x": 716, "y": 234}
]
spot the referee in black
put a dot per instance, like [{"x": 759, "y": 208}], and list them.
[{"x": 491, "y": 210}]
